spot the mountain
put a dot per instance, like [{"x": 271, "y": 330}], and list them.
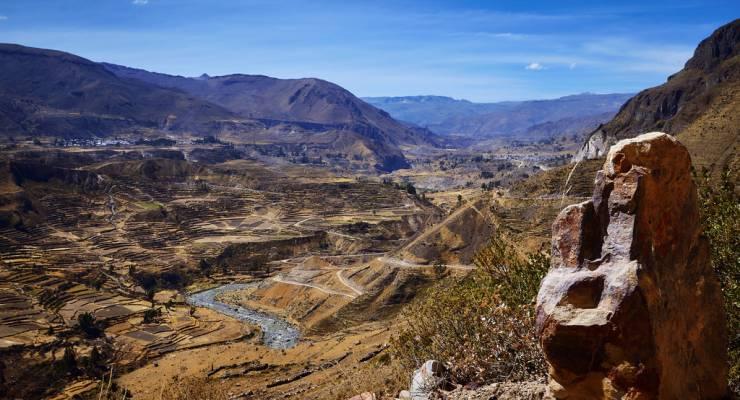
[
  {"x": 296, "y": 100},
  {"x": 51, "y": 92},
  {"x": 430, "y": 110},
  {"x": 570, "y": 126},
  {"x": 700, "y": 105},
  {"x": 449, "y": 116}
]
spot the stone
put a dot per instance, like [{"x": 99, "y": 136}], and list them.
[
  {"x": 630, "y": 308},
  {"x": 500, "y": 391},
  {"x": 426, "y": 379},
  {"x": 404, "y": 395},
  {"x": 364, "y": 396}
]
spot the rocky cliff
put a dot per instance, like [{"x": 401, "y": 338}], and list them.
[
  {"x": 699, "y": 104},
  {"x": 630, "y": 308}
]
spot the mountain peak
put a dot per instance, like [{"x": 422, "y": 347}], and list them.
[
  {"x": 694, "y": 105},
  {"x": 721, "y": 45}
]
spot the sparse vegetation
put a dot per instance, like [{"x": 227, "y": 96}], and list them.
[
  {"x": 152, "y": 315},
  {"x": 194, "y": 388},
  {"x": 384, "y": 376},
  {"x": 480, "y": 326},
  {"x": 720, "y": 206},
  {"x": 88, "y": 325}
]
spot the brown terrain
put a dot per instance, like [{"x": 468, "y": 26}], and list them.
[
  {"x": 271, "y": 250},
  {"x": 117, "y": 232}
]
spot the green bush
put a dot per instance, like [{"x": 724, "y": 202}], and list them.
[
  {"x": 480, "y": 326},
  {"x": 720, "y": 209}
]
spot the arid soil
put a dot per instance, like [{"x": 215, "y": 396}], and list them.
[{"x": 125, "y": 234}]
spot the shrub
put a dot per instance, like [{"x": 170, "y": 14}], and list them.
[
  {"x": 68, "y": 364},
  {"x": 720, "y": 210},
  {"x": 152, "y": 315},
  {"x": 440, "y": 269},
  {"x": 88, "y": 325},
  {"x": 480, "y": 326}
]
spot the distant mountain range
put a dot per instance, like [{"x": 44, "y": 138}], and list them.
[
  {"x": 52, "y": 93},
  {"x": 448, "y": 116},
  {"x": 700, "y": 105}
]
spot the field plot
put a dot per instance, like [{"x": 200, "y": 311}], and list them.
[
  {"x": 98, "y": 247},
  {"x": 99, "y": 251}
]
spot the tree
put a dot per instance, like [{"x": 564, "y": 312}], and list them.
[
  {"x": 68, "y": 364},
  {"x": 205, "y": 268},
  {"x": 87, "y": 325},
  {"x": 152, "y": 315},
  {"x": 150, "y": 295}
]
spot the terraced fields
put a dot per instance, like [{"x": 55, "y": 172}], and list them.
[
  {"x": 97, "y": 250},
  {"x": 100, "y": 249}
]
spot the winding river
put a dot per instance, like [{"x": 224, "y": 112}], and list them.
[{"x": 276, "y": 332}]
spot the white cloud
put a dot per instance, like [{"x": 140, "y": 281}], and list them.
[
  {"x": 535, "y": 66},
  {"x": 141, "y": 2},
  {"x": 509, "y": 35},
  {"x": 3, "y": 18}
]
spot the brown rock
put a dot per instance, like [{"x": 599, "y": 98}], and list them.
[
  {"x": 630, "y": 308},
  {"x": 364, "y": 396},
  {"x": 500, "y": 391}
]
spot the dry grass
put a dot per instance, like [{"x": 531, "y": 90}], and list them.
[
  {"x": 481, "y": 326},
  {"x": 191, "y": 388},
  {"x": 384, "y": 376},
  {"x": 194, "y": 388}
]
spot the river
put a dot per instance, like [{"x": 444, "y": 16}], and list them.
[{"x": 276, "y": 332}]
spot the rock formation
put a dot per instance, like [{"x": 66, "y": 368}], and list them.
[
  {"x": 630, "y": 308},
  {"x": 697, "y": 104}
]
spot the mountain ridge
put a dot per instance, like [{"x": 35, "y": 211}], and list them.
[
  {"x": 66, "y": 95},
  {"x": 448, "y": 116},
  {"x": 296, "y": 100},
  {"x": 702, "y": 99},
  {"x": 54, "y": 93}
]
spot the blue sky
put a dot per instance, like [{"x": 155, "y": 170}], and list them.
[{"x": 478, "y": 50}]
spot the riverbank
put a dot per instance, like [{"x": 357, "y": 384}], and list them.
[{"x": 276, "y": 332}]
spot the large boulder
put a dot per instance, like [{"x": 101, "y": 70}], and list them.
[{"x": 630, "y": 308}]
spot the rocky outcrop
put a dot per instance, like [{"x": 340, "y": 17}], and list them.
[{"x": 630, "y": 308}]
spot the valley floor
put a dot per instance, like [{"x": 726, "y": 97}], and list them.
[{"x": 122, "y": 236}]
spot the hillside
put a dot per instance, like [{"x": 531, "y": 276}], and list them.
[
  {"x": 297, "y": 100},
  {"x": 47, "y": 92},
  {"x": 449, "y": 116},
  {"x": 699, "y": 105}
]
